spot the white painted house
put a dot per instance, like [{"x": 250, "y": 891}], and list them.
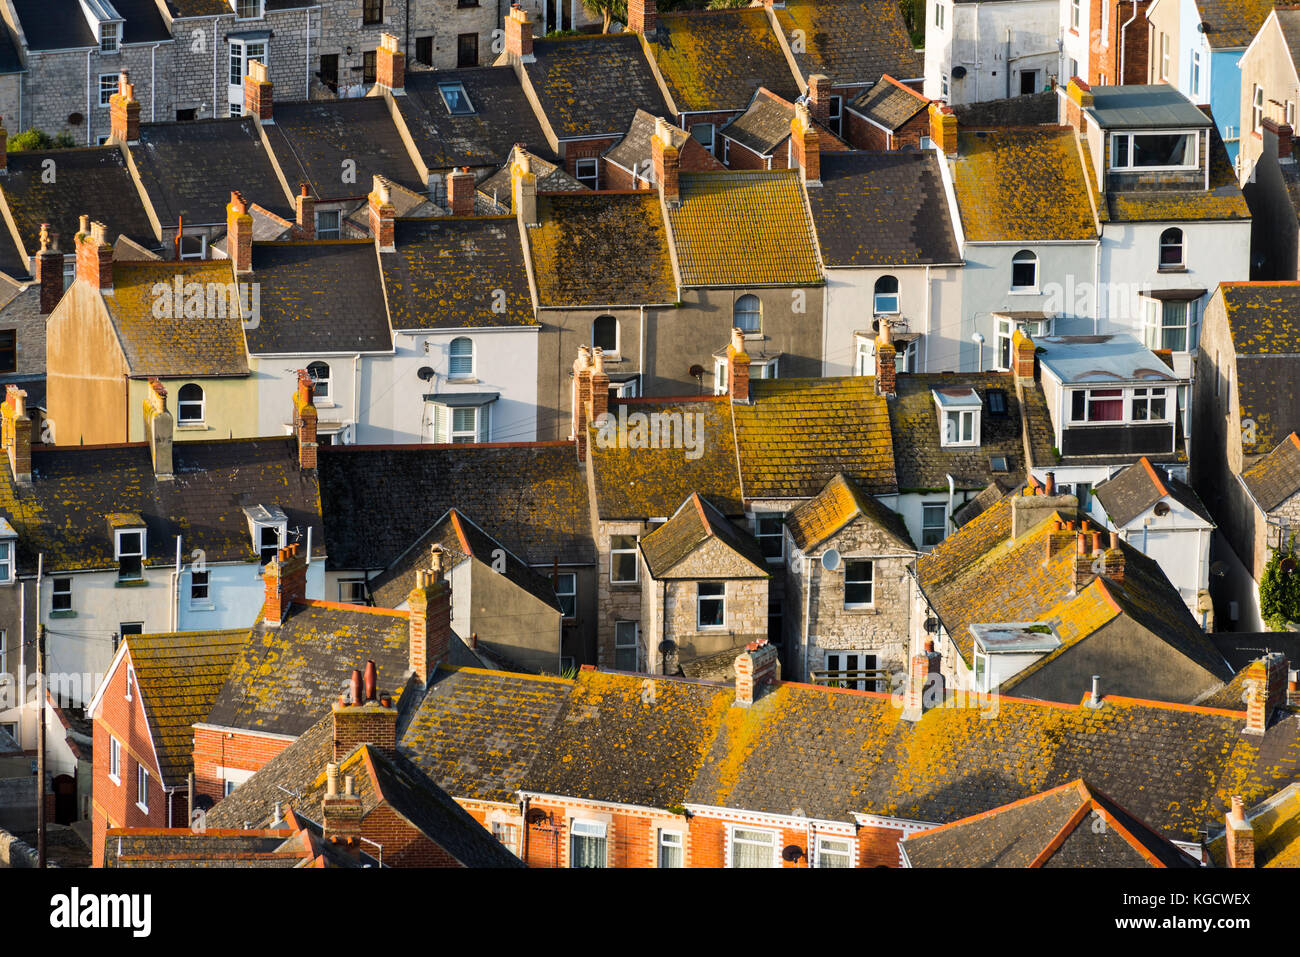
[{"x": 977, "y": 50}]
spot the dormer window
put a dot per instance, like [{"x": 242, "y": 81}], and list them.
[
  {"x": 7, "y": 539},
  {"x": 268, "y": 526},
  {"x": 456, "y": 99},
  {"x": 1154, "y": 151},
  {"x": 758, "y": 369},
  {"x": 248, "y": 9},
  {"x": 109, "y": 33},
  {"x": 129, "y": 553},
  {"x": 959, "y": 417}
]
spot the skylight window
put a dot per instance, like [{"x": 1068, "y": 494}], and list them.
[{"x": 456, "y": 99}]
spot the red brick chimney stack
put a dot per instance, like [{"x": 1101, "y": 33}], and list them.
[
  {"x": 49, "y": 271},
  {"x": 285, "y": 578},
  {"x": 756, "y": 667},
  {"x": 667, "y": 163},
  {"x": 430, "y": 622},
  {"x": 1240, "y": 836},
  {"x": 305, "y": 421},
  {"x": 925, "y": 685},
  {"x": 124, "y": 111},
  {"x": 581, "y": 399},
  {"x": 383, "y": 215},
  {"x": 806, "y": 145},
  {"x": 519, "y": 35},
  {"x": 239, "y": 234},
  {"x": 341, "y": 814},
  {"x": 642, "y": 17},
  {"x": 258, "y": 98},
  {"x": 460, "y": 192},
  {"x": 819, "y": 97},
  {"x": 599, "y": 385},
  {"x": 390, "y": 65},
  {"x": 16, "y": 434},
  {"x": 886, "y": 361},
  {"x": 1022, "y": 349},
  {"x": 943, "y": 128},
  {"x": 737, "y": 368},
  {"x": 305, "y": 211},
  {"x": 94, "y": 256},
  {"x": 1266, "y": 680}
]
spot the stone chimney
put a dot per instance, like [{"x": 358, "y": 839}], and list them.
[
  {"x": 806, "y": 146},
  {"x": 642, "y": 17},
  {"x": 943, "y": 128},
  {"x": 49, "y": 271},
  {"x": 305, "y": 212},
  {"x": 1033, "y": 505},
  {"x": 16, "y": 434},
  {"x": 239, "y": 235},
  {"x": 341, "y": 814},
  {"x": 756, "y": 667},
  {"x": 460, "y": 192},
  {"x": 124, "y": 111},
  {"x": 285, "y": 580},
  {"x": 305, "y": 421},
  {"x": 737, "y": 368},
  {"x": 158, "y": 429},
  {"x": 383, "y": 215},
  {"x": 523, "y": 188},
  {"x": 519, "y": 35},
  {"x": 819, "y": 98},
  {"x": 430, "y": 620},
  {"x": 1266, "y": 680},
  {"x": 390, "y": 65},
  {"x": 580, "y": 399},
  {"x": 925, "y": 685},
  {"x": 886, "y": 361},
  {"x": 94, "y": 255},
  {"x": 368, "y": 721},
  {"x": 257, "y": 92},
  {"x": 667, "y": 163},
  {"x": 1239, "y": 836}
]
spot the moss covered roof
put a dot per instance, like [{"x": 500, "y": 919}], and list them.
[{"x": 834, "y": 507}]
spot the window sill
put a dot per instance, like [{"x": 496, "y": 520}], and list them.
[
  {"x": 66, "y": 613},
  {"x": 711, "y": 628},
  {"x": 203, "y": 606},
  {"x": 1171, "y": 269},
  {"x": 624, "y": 585},
  {"x": 861, "y": 609},
  {"x": 142, "y": 807},
  {"x": 191, "y": 427},
  {"x": 1035, "y": 291},
  {"x": 462, "y": 380},
  {"x": 114, "y": 779},
  {"x": 130, "y": 583}
]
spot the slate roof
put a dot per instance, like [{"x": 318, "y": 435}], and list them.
[
  {"x": 598, "y": 249},
  {"x": 592, "y": 85},
  {"x": 1135, "y": 106},
  {"x": 550, "y": 179},
  {"x": 695, "y": 522},
  {"x": 533, "y": 496},
  {"x": 831, "y": 753},
  {"x": 1025, "y": 185},
  {"x": 221, "y": 848},
  {"x": 13, "y": 264},
  {"x": 61, "y": 24},
  {"x": 1232, "y": 23},
  {"x": 851, "y": 41},
  {"x": 922, "y": 461},
  {"x": 889, "y": 103},
  {"x": 1264, "y": 322},
  {"x": 502, "y": 117},
  {"x": 1242, "y": 648},
  {"x": 189, "y": 169},
  {"x": 644, "y": 483},
  {"x": 834, "y": 507},
  {"x": 1223, "y": 200},
  {"x": 883, "y": 209},
  {"x": 1068, "y": 826},
  {"x": 322, "y": 296},
  {"x": 744, "y": 229},
  {"x": 313, "y": 140},
  {"x": 453, "y": 272},
  {"x": 764, "y": 125},
  {"x": 179, "y": 676},
  {"x": 636, "y": 146},
  {"x": 795, "y": 435},
  {"x": 1288, "y": 21},
  {"x": 460, "y": 537},
  {"x": 92, "y": 180},
  {"x": 285, "y": 678},
  {"x": 1139, "y": 487},
  {"x": 1275, "y": 477},
  {"x": 714, "y": 60},
  {"x": 1275, "y": 823},
  {"x": 211, "y": 344},
  {"x": 63, "y": 513}
]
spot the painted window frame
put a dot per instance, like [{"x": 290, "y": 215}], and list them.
[
  {"x": 1025, "y": 258},
  {"x": 120, "y": 556},
  {"x": 335, "y": 231},
  {"x": 847, "y": 848},
  {"x": 670, "y": 842},
  {"x": 886, "y": 303},
  {"x": 733, "y": 831},
  {"x": 769, "y": 527},
  {"x": 719, "y": 598},
  {"x": 634, "y": 645},
  {"x": 142, "y": 788},
  {"x": 589, "y": 830},
  {"x": 183, "y": 404},
  {"x": 927, "y": 508},
  {"x": 609, "y": 353},
  {"x": 956, "y": 436},
  {"x": 756, "y": 312},
  {"x": 115, "y": 760},
  {"x": 456, "y": 368},
  {"x": 566, "y": 586},
  {"x": 57, "y": 594},
  {"x": 869, "y": 582},
  {"x": 321, "y": 384},
  {"x": 623, "y": 549},
  {"x": 1126, "y": 165}
]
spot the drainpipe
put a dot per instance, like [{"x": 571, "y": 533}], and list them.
[
  {"x": 952, "y": 494},
  {"x": 306, "y": 67},
  {"x": 1123, "y": 37},
  {"x": 640, "y": 391},
  {"x": 215, "y": 62},
  {"x": 1007, "y": 66},
  {"x": 807, "y": 612},
  {"x": 90, "y": 125},
  {"x": 356, "y": 396},
  {"x": 929, "y": 320},
  {"x": 176, "y": 589},
  {"x": 153, "y": 103}
]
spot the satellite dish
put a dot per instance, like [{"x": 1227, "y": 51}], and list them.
[
  {"x": 830, "y": 559},
  {"x": 1162, "y": 508},
  {"x": 932, "y": 625},
  {"x": 959, "y": 73},
  {"x": 1218, "y": 569},
  {"x": 425, "y": 373},
  {"x": 667, "y": 646},
  {"x": 791, "y": 853},
  {"x": 696, "y": 371}
]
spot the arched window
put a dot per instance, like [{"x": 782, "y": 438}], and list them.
[
  {"x": 604, "y": 334},
  {"x": 461, "y": 362},
  {"x": 748, "y": 314},
  {"x": 1024, "y": 270},
  {"x": 886, "y": 295},
  {"x": 189, "y": 403},
  {"x": 1171, "y": 248},
  {"x": 320, "y": 377}
]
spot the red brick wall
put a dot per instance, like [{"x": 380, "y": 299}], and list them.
[
  {"x": 213, "y": 750},
  {"x": 404, "y": 845},
  {"x": 742, "y": 157},
  {"x": 584, "y": 149}
]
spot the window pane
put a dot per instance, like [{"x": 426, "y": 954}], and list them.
[
  {"x": 587, "y": 852},
  {"x": 748, "y": 314},
  {"x": 857, "y": 582},
  {"x": 1164, "y": 149},
  {"x": 670, "y": 850},
  {"x": 752, "y": 848},
  {"x": 833, "y": 853}
]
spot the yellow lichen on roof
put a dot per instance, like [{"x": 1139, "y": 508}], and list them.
[
  {"x": 1023, "y": 184},
  {"x": 715, "y": 60}
]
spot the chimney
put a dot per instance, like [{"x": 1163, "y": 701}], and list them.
[
  {"x": 49, "y": 271},
  {"x": 430, "y": 620},
  {"x": 1059, "y": 539},
  {"x": 364, "y": 722},
  {"x": 17, "y": 434},
  {"x": 1022, "y": 353},
  {"x": 460, "y": 192},
  {"x": 305, "y": 421},
  {"x": 341, "y": 813},
  {"x": 1113, "y": 560},
  {"x": 1049, "y": 485},
  {"x": 1083, "y": 573},
  {"x": 1239, "y": 836},
  {"x": 257, "y": 92},
  {"x": 285, "y": 578},
  {"x": 886, "y": 361},
  {"x": 819, "y": 98},
  {"x": 382, "y": 216},
  {"x": 306, "y": 212},
  {"x": 943, "y": 128},
  {"x": 1266, "y": 680},
  {"x": 756, "y": 667},
  {"x": 519, "y": 36},
  {"x": 667, "y": 163},
  {"x": 124, "y": 111},
  {"x": 1033, "y": 506},
  {"x": 925, "y": 685},
  {"x": 807, "y": 149},
  {"x": 239, "y": 234},
  {"x": 1078, "y": 97},
  {"x": 599, "y": 386},
  {"x": 94, "y": 255},
  {"x": 737, "y": 368},
  {"x": 642, "y": 17},
  {"x": 1094, "y": 695},
  {"x": 390, "y": 65},
  {"x": 523, "y": 188},
  {"x": 158, "y": 429},
  {"x": 581, "y": 399}
]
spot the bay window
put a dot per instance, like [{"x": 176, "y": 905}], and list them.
[{"x": 1170, "y": 324}]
